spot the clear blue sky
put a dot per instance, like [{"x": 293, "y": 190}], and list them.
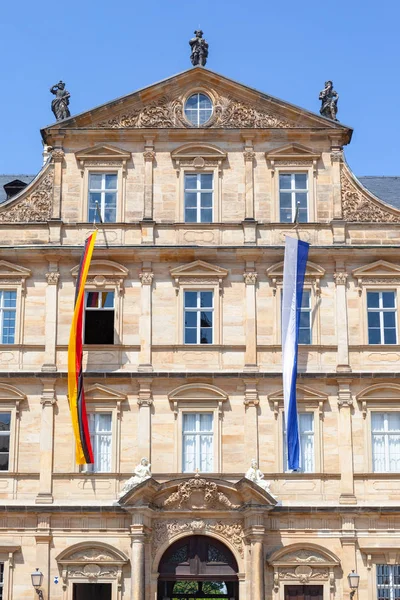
[{"x": 288, "y": 49}]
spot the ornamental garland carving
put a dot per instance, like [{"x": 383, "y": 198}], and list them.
[
  {"x": 93, "y": 572},
  {"x": 35, "y": 207},
  {"x": 304, "y": 556},
  {"x": 303, "y": 574},
  {"x": 92, "y": 555},
  {"x": 167, "y": 113},
  {"x": 164, "y": 531},
  {"x": 357, "y": 207},
  {"x": 208, "y": 489}
]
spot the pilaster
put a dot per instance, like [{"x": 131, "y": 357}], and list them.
[
  {"x": 250, "y": 280},
  {"x": 249, "y": 157},
  {"x": 57, "y": 156},
  {"x": 146, "y": 279},
  {"x": 44, "y": 539},
  {"x": 52, "y": 278},
  {"x": 251, "y": 402},
  {"x": 340, "y": 277},
  {"x": 345, "y": 404},
  {"x": 47, "y": 401},
  {"x": 138, "y": 582},
  {"x": 348, "y": 540},
  {"x": 145, "y": 402},
  {"x": 255, "y": 532}
]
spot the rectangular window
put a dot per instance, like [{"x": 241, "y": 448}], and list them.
[
  {"x": 197, "y": 442},
  {"x": 199, "y": 317},
  {"x": 305, "y": 334},
  {"x": 388, "y": 582},
  {"x": 100, "y": 436},
  {"x": 5, "y": 422},
  {"x": 103, "y": 197},
  {"x": 385, "y": 441},
  {"x": 382, "y": 321},
  {"x": 306, "y": 434},
  {"x": 198, "y": 197},
  {"x": 99, "y": 318},
  {"x": 8, "y": 307},
  {"x": 1, "y": 580},
  {"x": 293, "y": 197}
]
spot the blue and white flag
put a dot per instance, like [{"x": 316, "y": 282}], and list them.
[{"x": 294, "y": 268}]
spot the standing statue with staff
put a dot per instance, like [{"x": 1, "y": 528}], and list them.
[
  {"x": 59, "y": 105},
  {"x": 199, "y": 48},
  {"x": 329, "y": 99}
]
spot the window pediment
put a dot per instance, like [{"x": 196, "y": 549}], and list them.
[
  {"x": 198, "y": 156},
  {"x": 11, "y": 395},
  {"x": 13, "y": 272},
  {"x": 197, "y": 393},
  {"x": 103, "y": 156},
  {"x": 377, "y": 395},
  {"x": 304, "y": 395},
  {"x": 199, "y": 272},
  {"x": 292, "y": 152},
  {"x": 380, "y": 272},
  {"x": 300, "y": 554},
  {"x": 104, "y": 272},
  {"x": 101, "y": 393},
  {"x": 313, "y": 275}
]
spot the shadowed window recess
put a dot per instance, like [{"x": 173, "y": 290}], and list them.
[
  {"x": 197, "y": 442},
  {"x": 5, "y": 424},
  {"x": 382, "y": 317},
  {"x": 99, "y": 318},
  {"x": 103, "y": 197},
  {"x": 198, "y": 197},
  {"x": 307, "y": 443},
  {"x": 293, "y": 197}
]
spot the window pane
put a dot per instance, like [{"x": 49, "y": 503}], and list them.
[
  {"x": 111, "y": 181},
  {"x": 190, "y": 299},
  {"x": 206, "y": 336},
  {"x": 190, "y": 319},
  {"x": 305, "y": 319},
  {"x": 206, "y": 319},
  {"x": 204, "y": 101},
  {"x": 206, "y": 200},
  {"x": 286, "y": 215},
  {"x": 285, "y": 181},
  {"x": 107, "y": 299},
  {"x": 189, "y": 422},
  {"x": 301, "y": 200},
  {"x": 206, "y": 215},
  {"x": 390, "y": 336},
  {"x": 206, "y": 421},
  {"x": 103, "y": 422},
  {"x": 389, "y": 319},
  {"x": 304, "y": 336},
  {"x": 206, "y": 454},
  {"x": 300, "y": 181},
  {"x": 373, "y": 319},
  {"x": 306, "y": 299},
  {"x": 206, "y": 181},
  {"x": 373, "y": 299},
  {"x": 5, "y": 420},
  {"x": 5, "y": 442},
  {"x": 95, "y": 181},
  {"x": 4, "y": 462},
  {"x": 302, "y": 215},
  {"x": 190, "y": 182},
  {"x": 286, "y": 200},
  {"x": 206, "y": 299},
  {"x": 393, "y": 420},
  {"x": 374, "y": 336},
  {"x": 388, "y": 300},
  {"x": 10, "y": 301},
  {"x": 92, "y": 299},
  {"x": 190, "y": 199},
  {"x": 189, "y": 454},
  {"x": 190, "y": 215},
  {"x": 190, "y": 336},
  {"x": 377, "y": 420}
]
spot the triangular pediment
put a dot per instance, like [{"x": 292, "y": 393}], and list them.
[
  {"x": 198, "y": 268},
  {"x": 104, "y": 152},
  {"x": 312, "y": 270},
  {"x": 292, "y": 151},
  {"x": 379, "y": 268},
  {"x": 303, "y": 394},
  {"x": 11, "y": 271},
  {"x": 98, "y": 392},
  {"x": 235, "y": 106}
]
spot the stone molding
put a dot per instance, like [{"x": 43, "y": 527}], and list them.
[
  {"x": 52, "y": 277},
  {"x": 380, "y": 272},
  {"x": 212, "y": 496},
  {"x": 146, "y": 278},
  {"x": 34, "y": 205},
  {"x": 340, "y": 278},
  {"x": 314, "y": 274},
  {"x": 250, "y": 277}
]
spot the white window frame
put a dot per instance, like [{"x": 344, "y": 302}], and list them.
[
  {"x": 278, "y": 169},
  {"x": 5, "y": 434},
  {"x": 314, "y": 315},
  {"x": 94, "y": 436},
  {"x": 390, "y": 567},
  {"x": 199, "y": 191},
  {"x": 293, "y": 190},
  {"x": 381, "y": 310},
  {"x": 4, "y": 309},
  {"x": 108, "y": 308},
  {"x": 103, "y": 191},
  {"x": 198, "y": 310},
  {"x": 284, "y": 442},
  {"x": 197, "y": 434},
  {"x": 198, "y": 110},
  {"x": 385, "y": 435},
  {"x": 91, "y": 167}
]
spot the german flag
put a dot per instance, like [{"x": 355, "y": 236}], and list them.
[{"x": 84, "y": 452}]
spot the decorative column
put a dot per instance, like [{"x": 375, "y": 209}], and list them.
[
  {"x": 255, "y": 531},
  {"x": 145, "y": 401},
  {"x": 340, "y": 277},
  {"x": 52, "y": 278},
  {"x": 146, "y": 279},
  {"x": 249, "y": 224},
  {"x": 137, "y": 563},
  {"x": 251, "y": 402},
  {"x": 250, "y": 280},
  {"x": 48, "y": 402},
  {"x": 57, "y": 156},
  {"x": 147, "y": 224},
  {"x": 43, "y": 539},
  {"x": 349, "y": 551},
  {"x": 345, "y": 404}
]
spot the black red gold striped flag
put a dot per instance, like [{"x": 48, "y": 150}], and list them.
[{"x": 76, "y": 394}]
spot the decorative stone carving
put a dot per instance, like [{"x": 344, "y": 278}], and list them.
[
  {"x": 250, "y": 278},
  {"x": 164, "y": 531},
  {"x": 303, "y": 573},
  {"x": 249, "y": 155},
  {"x": 256, "y": 476},
  {"x": 304, "y": 556},
  {"x": 52, "y": 278},
  {"x": 57, "y": 154},
  {"x": 149, "y": 155},
  {"x": 295, "y": 163},
  {"x": 35, "y": 207},
  {"x": 199, "y": 49},
  {"x": 94, "y": 555},
  {"x": 358, "y": 207},
  {"x": 60, "y": 103},
  {"x": 146, "y": 278},
  {"x": 212, "y": 497},
  {"x": 340, "y": 278},
  {"x": 104, "y": 163},
  {"x": 141, "y": 473},
  {"x": 329, "y": 99},
  {"x": 92, "y": 572},
  {"x": 168, "y": 113}
]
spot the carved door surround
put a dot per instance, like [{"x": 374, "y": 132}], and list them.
[
  {"x": 91, "y": 562},
  {"x": 304, "y": 564}
]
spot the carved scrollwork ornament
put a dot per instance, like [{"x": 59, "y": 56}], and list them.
[
  {"x": 146, "y": 278},
  {"x": 210, "y": 491},
  {"x": 249, "y": 155},
  {"x": 340, "y": 278},
  {"x": 149, "y": 155},
  {"x": 33, "y": 208},
  {"x": 358, "y": 207},
  {"x": 52, "y": 277},
  {"x": 57, "y": 154},
  {"x": 250, "y": 277}
]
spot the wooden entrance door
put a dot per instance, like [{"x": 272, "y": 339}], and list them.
[{"x": 304, "y": 592}]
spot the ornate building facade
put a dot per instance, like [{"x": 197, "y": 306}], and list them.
[{"x": 197, "y": 180}]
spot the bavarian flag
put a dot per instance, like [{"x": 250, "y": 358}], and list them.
[{"x": 76, "y": 395}]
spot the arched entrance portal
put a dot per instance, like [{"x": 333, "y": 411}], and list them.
[{"x": 198, "y": 566}]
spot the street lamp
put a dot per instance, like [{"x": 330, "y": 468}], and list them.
[
  {"x": 37, "y": 578},
  {"x": 354, "y": 579}
]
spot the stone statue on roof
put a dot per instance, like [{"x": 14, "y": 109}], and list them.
[
  {"x": 257, "y": 476},
  {"x": 59, "y": 105},
  {"x": 329, "y": 99},
  {"x": 199, "y": 48},
  {"x": 141, "y": 473}
]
